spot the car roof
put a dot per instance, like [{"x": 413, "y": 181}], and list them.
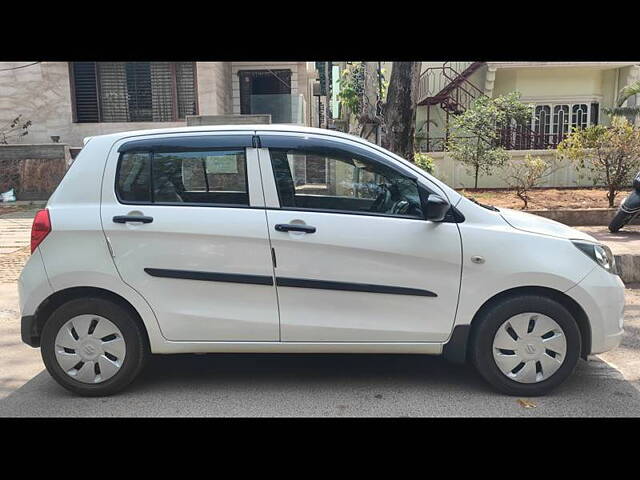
[{"x": 229, "y": 128}]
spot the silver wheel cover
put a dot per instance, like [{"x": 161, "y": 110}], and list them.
[
  {"x": 529, "y": 347},
  {"x": 90, "y": 348}
]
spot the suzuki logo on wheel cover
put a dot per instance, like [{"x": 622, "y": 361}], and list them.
[
  {"x": 89, "y": 349},
  {"x": 530, "y": 348}
]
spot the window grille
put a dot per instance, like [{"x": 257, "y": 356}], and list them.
[{"x": 133, "y": 91}]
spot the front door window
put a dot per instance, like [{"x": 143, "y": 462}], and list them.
[{"x": 342, "y": 182}]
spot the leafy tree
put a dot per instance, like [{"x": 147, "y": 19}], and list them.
[
  {"x": 614, "y": 153},
  {"x": 475, "y": 138},
  {"x": 630, "y": 113},
  {"x": 525, "y": 175}
]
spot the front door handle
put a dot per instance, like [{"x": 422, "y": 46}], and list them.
[
  {"x": 132, "y": 218},
  {"x": 295, "y": 227}
]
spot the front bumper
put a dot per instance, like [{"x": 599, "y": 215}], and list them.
[{"x": 601, "y": 296}]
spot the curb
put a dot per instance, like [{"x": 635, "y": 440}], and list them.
[
  {"x": 628, "y": 267},
  {"x": 581, "y": 217}
]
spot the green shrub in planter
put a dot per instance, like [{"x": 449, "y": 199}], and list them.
[{"x": 424, "y": 161}]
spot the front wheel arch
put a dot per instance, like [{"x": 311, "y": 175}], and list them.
[
  {"x": 55, "y": 300},
  {"x": 457, "y": 348}
]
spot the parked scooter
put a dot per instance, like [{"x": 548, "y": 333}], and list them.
[{"x": 629, "y": 208}]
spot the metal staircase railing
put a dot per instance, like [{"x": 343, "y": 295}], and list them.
[{"x": 448, "y": 86}]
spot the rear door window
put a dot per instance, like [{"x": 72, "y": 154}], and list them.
[{"x": 184, "y": 177}]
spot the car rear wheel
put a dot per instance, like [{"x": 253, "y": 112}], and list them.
[
  {"x": 525, "y": 345},
  {"x": 93, "y": 347}
]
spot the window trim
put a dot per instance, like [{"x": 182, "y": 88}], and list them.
[{"x": 122, "y": 150}]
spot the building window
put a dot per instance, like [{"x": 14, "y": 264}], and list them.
[
  {"x": 542, "y": 120},
  {"x": 560, "y": 121},
  {"x": 133, "y": 91},
  {"x": 553, "y": 122},
  {"x": 579, "y": 116}
]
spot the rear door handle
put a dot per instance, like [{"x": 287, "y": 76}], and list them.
[
  {"x": 295, "y": 227},
  {"x": 132, "y": 218}
]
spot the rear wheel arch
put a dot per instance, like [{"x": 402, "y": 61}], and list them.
[
  {"x": 55, "y": 300},
  {"x": 456, "y": 350}
]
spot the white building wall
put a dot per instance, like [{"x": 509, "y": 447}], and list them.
[{"x": 42, "y": 94}]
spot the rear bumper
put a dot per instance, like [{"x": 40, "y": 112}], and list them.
[
  {"x": 33, "y": 289},
  {"x": 601, "y": 295}
]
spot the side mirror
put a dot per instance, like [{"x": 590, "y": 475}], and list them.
[{"x": 435, "y": 207}]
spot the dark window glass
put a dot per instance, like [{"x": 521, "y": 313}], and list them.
[
  {"x": 134, "y": 91},
  {"x": 202, "y": 177},
  {"x": 595, "y": 111},
  {"x": 211, "y": 177},
  {"x": 85, "y": 92},
  {"x": 342, "y": 182},
  {"x": 133, "y": 177}
]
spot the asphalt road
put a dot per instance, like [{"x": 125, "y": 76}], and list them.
[
  {"x": 315, "y": 385},
  {"x": 322, "y": 385}
]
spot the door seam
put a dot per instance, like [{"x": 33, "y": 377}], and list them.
[{"x": 271, "y": 247}]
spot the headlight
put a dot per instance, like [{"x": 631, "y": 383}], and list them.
[{"x": 601, "y": 254}]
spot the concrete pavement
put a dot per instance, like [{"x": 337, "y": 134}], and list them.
[{"x": 18, "y": 362}]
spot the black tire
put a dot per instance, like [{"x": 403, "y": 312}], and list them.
[
  {"x": 619, "y": 220},
  {"x": 484, "y": 330},
  {"x": 132, "y": 332}
]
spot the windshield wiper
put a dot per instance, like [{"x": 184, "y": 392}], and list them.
[{"x": 488, "y": 207}]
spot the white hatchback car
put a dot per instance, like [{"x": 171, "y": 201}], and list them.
[{"x": 289, "y": 239}]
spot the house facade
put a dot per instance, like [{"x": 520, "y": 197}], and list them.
[
  {"x": 73, "y": 100},
  {"x": 565, "y": 95}
]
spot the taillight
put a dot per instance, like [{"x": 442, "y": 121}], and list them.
[{"x": 40, "y": 228}]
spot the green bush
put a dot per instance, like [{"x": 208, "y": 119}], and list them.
[{"x": 424, "y": 161}]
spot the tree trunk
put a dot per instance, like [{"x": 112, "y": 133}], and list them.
[
  {"x": 611, "y": 196},
  {"x": 400, "y": 109},
  {"x": 476, "y": 176}
]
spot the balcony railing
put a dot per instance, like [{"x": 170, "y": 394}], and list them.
[
  {"x": 284, "y": 108},
  {"x": 521, "y": 137},
  {"x": 510, "y": 138}
]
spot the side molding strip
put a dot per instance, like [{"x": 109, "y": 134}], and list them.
[
  {"x": 350, "y": 287},
  {"x": 286, "y": 282},
  {"x": 210, "y": 276}
]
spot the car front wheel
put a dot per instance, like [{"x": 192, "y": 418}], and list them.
[
  {"x": 525, "y": 345},
  {"x": 93, "y": 346}
]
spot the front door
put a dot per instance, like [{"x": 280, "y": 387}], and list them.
[
  {"x": 355, "y": 259},
  {"x": 202, "y": 260}
]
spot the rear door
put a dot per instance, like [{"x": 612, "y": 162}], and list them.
[
  {"x": 202, "y": 259},
  {"x": 355, "y": 259}
]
